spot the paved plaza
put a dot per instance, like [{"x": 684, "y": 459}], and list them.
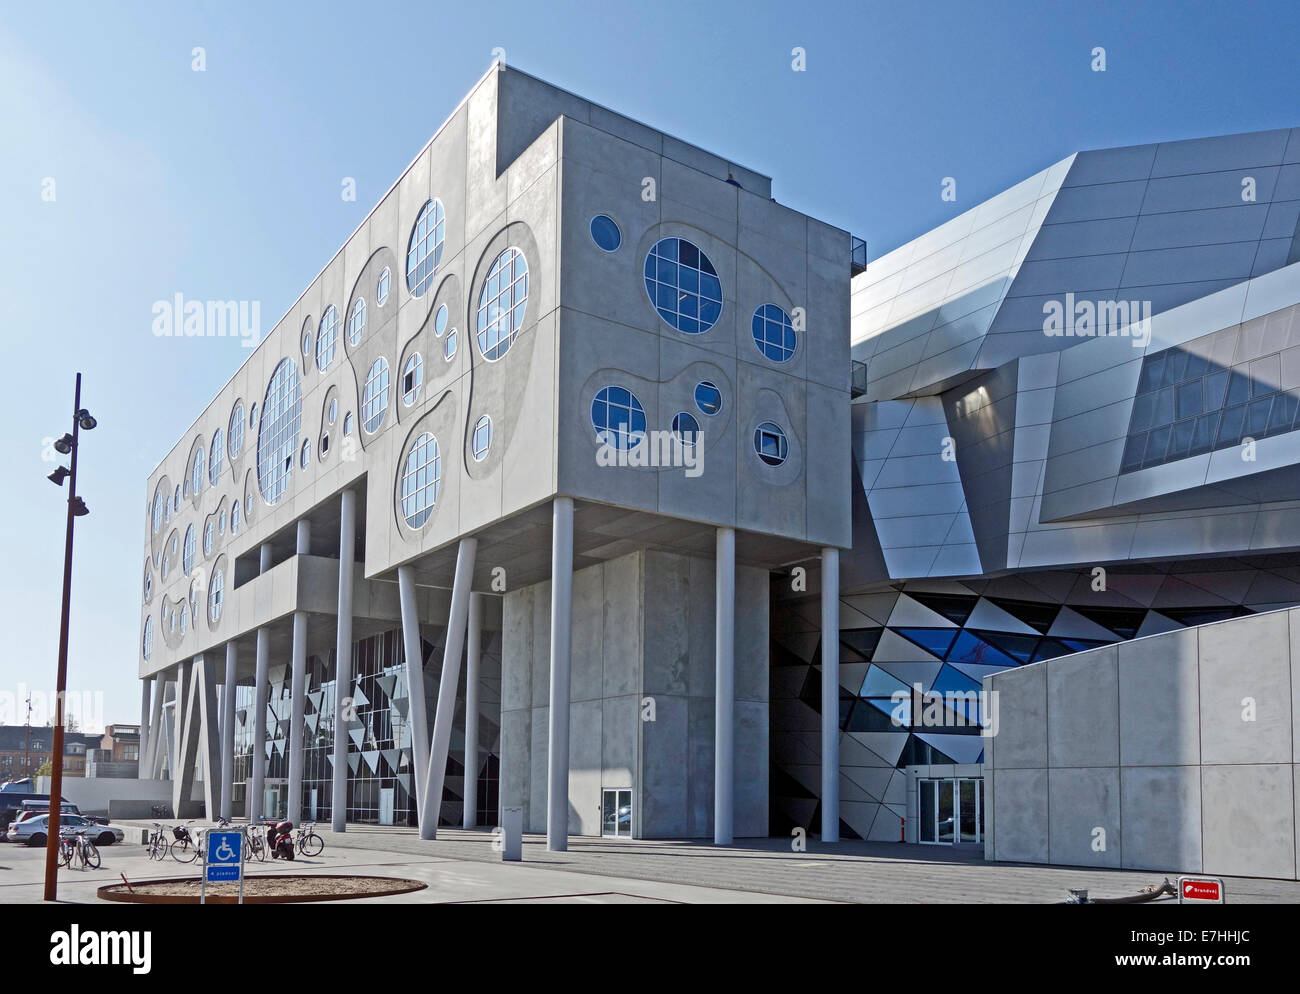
[{"x": 463, "y": 867}]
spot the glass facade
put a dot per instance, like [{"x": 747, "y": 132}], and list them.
[
  {"x": 1213, "y": 393},
  {"x": 380, "y": 761}
]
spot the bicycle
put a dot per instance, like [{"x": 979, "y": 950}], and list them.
[
  {"x": 308, "y": 842},
  {"x": 82, "y": 850},
  {"x": 66, "y": 848},
  {"x": 186, "y": 847},
  {"x": 157, "y": 846},
  {"x": 255, "y": 843}
]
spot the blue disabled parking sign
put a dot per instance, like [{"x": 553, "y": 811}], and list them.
[{"x": 224, "y": 862}]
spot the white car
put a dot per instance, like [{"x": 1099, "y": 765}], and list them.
[{"x": 34, "y": 831}]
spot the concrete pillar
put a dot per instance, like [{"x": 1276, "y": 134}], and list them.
[
  {"x": 724, "y": 705},
  {"x": 297, "y": 711},
  {"x": 445, "y": 714},
  {"x": 414, "y": 650},
  {"x": 179, "y": 709},
  {"x": 298, "y": 691},
  {"x": 473, "y": 644},
  {"x": 228, "y": 731},
  {"x": 557, "y": 759},
  {"x": 261, "y": 691},
  {"x": 146, "y": 713},
  {"x": 830, "y": 695},
  {"x": 149, "y": 762},
  {"x": 198, "y": 737},
  {"x": 343, "y": 660}
]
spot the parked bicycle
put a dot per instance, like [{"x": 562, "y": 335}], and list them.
[
  {"x": 66, "y": 848},
  {"x": 157, "y": 846},
  {"x": 81, "y": 851},
  {"x": 185, "y": 847},
  {"x": 307, "y": 841}
]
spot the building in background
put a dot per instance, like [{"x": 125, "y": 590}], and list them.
[{"x": 585, "y": 405}]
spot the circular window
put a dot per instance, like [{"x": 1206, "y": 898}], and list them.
[
  {"x": 216, "y": 457},
  {"x": 328, "y": 339},
  {"x": 148, "y": 582},
  {"x": 146, "y": 646},
  {"x": 482, "y": 438},
  {"x": 248, "y": 507},
  {"x": 306, "y": 454},
  {"x": 159, "y": 514},
  {"x": 683, "y": 285},
  {"x": 449, "y": 346},
  {"x": 412, "y": 377},
  {"x": 381, "y": 290},
  {"x": 501, "y": 303},
  {"x": 215, "y": 592},
  {"x": 209, "y": 533},
  {"x": 332, "y": 413},
  {"x": 234, "y": 517},
  {"x": 235, "y": 437},
  {"x": 252, "y": 416},
  {"x": 347, "y": 423},
  {"x": 440, "y": 320},
  {"x": 605, "y": 233},
  {"x": 425, "y": 249},
  {"x": 708, "y": 398},
  {"x": 185, "y": 618},
  {"x": 277, "y": 438},
  {"x": 221, "y": 522},
  {"x": 176, "y": 500},
  {"x": 773, "y": 332},
  {"x": 197, "y": 472},
  {"x": 770, "y": 444},
  {"x": 421, "y": 478},
  {"x": 686, "y": 428},
  {"x": 307, "y": 339},
  {"x": 374, "y": 396},
  {"x": 357, "y": 321},
  {"x": 166, "y": 565},
  {"x": 618, "y": 417}
]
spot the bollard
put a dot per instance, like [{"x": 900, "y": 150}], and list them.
[{"x": 512, "y": 834}]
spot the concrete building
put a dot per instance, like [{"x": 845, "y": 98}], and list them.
[{"x": 708, "y": 505}]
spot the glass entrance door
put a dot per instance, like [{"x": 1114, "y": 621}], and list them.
[
  {"x": 951, "y": 811},
  {"x": 616, "y": 813}
]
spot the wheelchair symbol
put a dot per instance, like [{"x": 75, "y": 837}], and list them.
[{"x": 224, "y": 853}]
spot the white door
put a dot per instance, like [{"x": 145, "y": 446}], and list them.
[{"x": 385, "y": 805}]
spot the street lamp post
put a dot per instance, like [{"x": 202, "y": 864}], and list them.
[{"x": 76, "y": 508}]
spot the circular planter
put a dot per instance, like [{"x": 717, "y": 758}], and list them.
[{"x": 261, "y": 889}]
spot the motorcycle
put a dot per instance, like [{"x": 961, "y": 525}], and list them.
[{"x": 279, "y": 840}]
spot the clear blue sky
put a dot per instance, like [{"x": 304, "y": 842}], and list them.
[{"x": 225, "y": 184}]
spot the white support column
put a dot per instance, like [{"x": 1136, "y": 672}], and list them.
[
  {"x": 149, "y": 760},
  {"x": 473, "y": 645},
  {"x": 261, "y": 691},
  {"x": 557, "y": 760},
  {"x": 198, "y": 738},
  {"x": 146, "y": 715},
  {"x": 343, "y": 661},
  {"x": 298, "y": 691},
  {"x": 182, "y": 771},
  {"x": 724, "y": 709},
  {"x": 830, "y": 695},
  {"x": 228, "y": 731},
  {"x": 414, "y": 648},
  {"x": 448, "y": 679}
]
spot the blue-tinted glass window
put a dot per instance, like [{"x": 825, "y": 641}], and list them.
[
  {"x": 686, "y": 428},
  {"x": 605, "y": 233},
  {"x": 708, "y": 398},
  {"x": 936, "y": 641},
  {"x": 773, "y": 332},
  {"x": 770, "y": 443},
  {"x": 618, "y": 417},
  {"x": 425, "y": 249},
  {"x": 683, "y": 285}
]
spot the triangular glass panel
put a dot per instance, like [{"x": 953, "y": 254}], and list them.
[
  {"x": 934, "y": 640},
  {"x": 955, "y": 607}
]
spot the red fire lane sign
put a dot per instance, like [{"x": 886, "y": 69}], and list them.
[{"x": 1200, "y": 890}]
